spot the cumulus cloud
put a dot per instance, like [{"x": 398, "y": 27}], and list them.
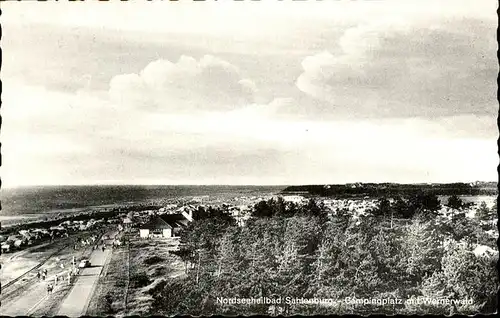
[
  {"x": 53, "y": 137},
  {"x": 280, "y": 107},
  {"x": 400, "y": 70},
  {"x": 180, "y": 122},
  {"x": 60, "y": 137},
  {"x": 206, "y": 84}
]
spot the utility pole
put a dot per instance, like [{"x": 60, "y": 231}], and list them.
[
  {"x": 198, "y": 269},
  {"x": 220, "y": 269},
  {"x": 320, "y": 263},
  {"x": 253, "y": 256}
]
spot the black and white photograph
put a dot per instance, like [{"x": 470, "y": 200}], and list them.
[{"x": 271, "y": 158}]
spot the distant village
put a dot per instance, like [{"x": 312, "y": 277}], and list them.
[
  {"x": 163, "y": 222},
  {"x": 168, "y": 220}
]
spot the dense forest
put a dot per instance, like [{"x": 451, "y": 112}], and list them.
[
  {"x": 401, "y": 250},
  {"x": 390, "y": 189}
]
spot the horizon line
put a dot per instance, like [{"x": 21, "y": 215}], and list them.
[{"x": 235, "y": 185}]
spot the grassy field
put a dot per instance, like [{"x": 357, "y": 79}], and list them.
[
  {"x": 150, "y": 265},
  {"x": 109, "y": 295}
]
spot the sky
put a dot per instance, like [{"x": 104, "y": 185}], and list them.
[{"x": 269, "y": 92}]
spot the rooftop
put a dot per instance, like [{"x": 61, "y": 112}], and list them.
[{"x": 156, "y": 223}]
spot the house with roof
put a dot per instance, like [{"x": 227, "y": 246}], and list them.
[
  {"x": 6, "y": 247},
  {"x": 127, "y": 222},
  {"x": 19, "y": 242},
  {"x": 156, "y": 227},
  {"x": 186, "y": 211},
  {"x": 167, "y": 225}
]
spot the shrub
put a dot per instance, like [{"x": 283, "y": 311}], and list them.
[
  {"x": 160, "y": 271},
  {"x": 153, "y": 260},
  {"x": 157, "y": 288},
  {"x": 142, "y": 244},
  {"x": 109, "y": 303},
  {"x": 139, "y": 280}
]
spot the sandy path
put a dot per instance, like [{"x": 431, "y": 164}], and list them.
[{"x": 76, "y": 302}]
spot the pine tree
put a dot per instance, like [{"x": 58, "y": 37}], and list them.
[
  {"x": 421, "y": 251},
  {"x": 455, "y": 202},
  {"x": 483, "y": 213}
]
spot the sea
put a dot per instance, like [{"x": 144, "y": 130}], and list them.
[{"x": 25, "y": 203}]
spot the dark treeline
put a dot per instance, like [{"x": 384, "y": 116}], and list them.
[
  {"x": 390, "y": 189},
  {"x": 306, "y": 251}
]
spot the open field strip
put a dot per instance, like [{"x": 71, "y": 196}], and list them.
[{"x": 109, "y": 296}]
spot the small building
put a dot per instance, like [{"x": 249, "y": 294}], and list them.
[
  {"x": 38, "y": 234},
  {"x": 484, "y": 251},
  {"x": 57, "y": 228},
  {"x": 156, "y": 227},
  {"x": 127, "y": 222},
  {"x": 178, "y": 221},
  {"x": 90, "y": 224},
  {"x": 294, "y": 198},
  {"x": 19, "y": 242},
  {"x": 13, "y": 238},
  {"x": 167, "y": 225},
  {"x": 65, "y": 223},
  {"x": 6, "y": 247}
]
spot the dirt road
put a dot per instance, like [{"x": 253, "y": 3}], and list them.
[{"x": 76, "y": 302}]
